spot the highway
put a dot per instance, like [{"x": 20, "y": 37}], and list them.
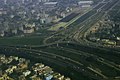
[
  {"x": 85, "y": 23},
  {"x": 79, "y": 23},
  {"x": 80, "y": 34},
  {"x": 72, "y": 62},
  {"x": 75, "y": 65},
  {"x": 72, "y": 52}
]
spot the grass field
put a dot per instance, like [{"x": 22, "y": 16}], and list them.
[
  {"x": 37, "y": 40},
  {"x": 57, "y": 26}
]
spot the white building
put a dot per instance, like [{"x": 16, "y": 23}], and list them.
[
  {"x": 2, "y": 33},
  {"x": 43, "y": 0},
  {"x": 85, "y": 3},
  {"x": 3, "y": 12},
  {"x": 26, "y": 73},
  {"x": 50, "y": 4}
]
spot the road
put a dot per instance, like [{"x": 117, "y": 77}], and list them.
[
  {"x": 69, "y": 60},
  {"x": 75, "y": 65},
  {"x": 72, "y": 51}
]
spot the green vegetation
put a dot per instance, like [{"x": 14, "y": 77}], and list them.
[
  {"x": 37, "y": 40},
  {"x": 57, "y": 26}
]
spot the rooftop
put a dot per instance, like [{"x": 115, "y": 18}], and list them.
[
  {"x": 85, "y": 2},
  {"x": 51, "y": 3}
]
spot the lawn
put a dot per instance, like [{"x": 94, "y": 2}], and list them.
[
  {"x": 37, "y": 40},
  {"x": 57, "y": 26}
]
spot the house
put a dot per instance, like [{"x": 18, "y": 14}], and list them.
[
  {"x": 10, "y": 70},
  {"x": 26, "y": 73}
]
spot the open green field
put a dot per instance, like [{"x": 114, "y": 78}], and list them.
[
  {"x": 37, "y": 40},
  {"x": 57, "y": 26}
]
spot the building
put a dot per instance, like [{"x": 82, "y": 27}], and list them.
[
  {"x": 46, "y": 20},
  {"x": 26, "y": 73},
  {"x": 50, "y": 4},
  {"x": 85, "y": 3},
  {"x": 2, "y": 33},
  {"x": 43, "y": 0},
  {"x": 21, "y": 28},
  {"x": 48, "y": 77},
  {"x": 35, "y": 77},
  {"x": 2, "y": 11},
  {"x": 28, "y": 30},
  {"x": 10, "y": 70},
  {"x": 14, "y": 31},
  {"x": 5, "y": 1}
]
